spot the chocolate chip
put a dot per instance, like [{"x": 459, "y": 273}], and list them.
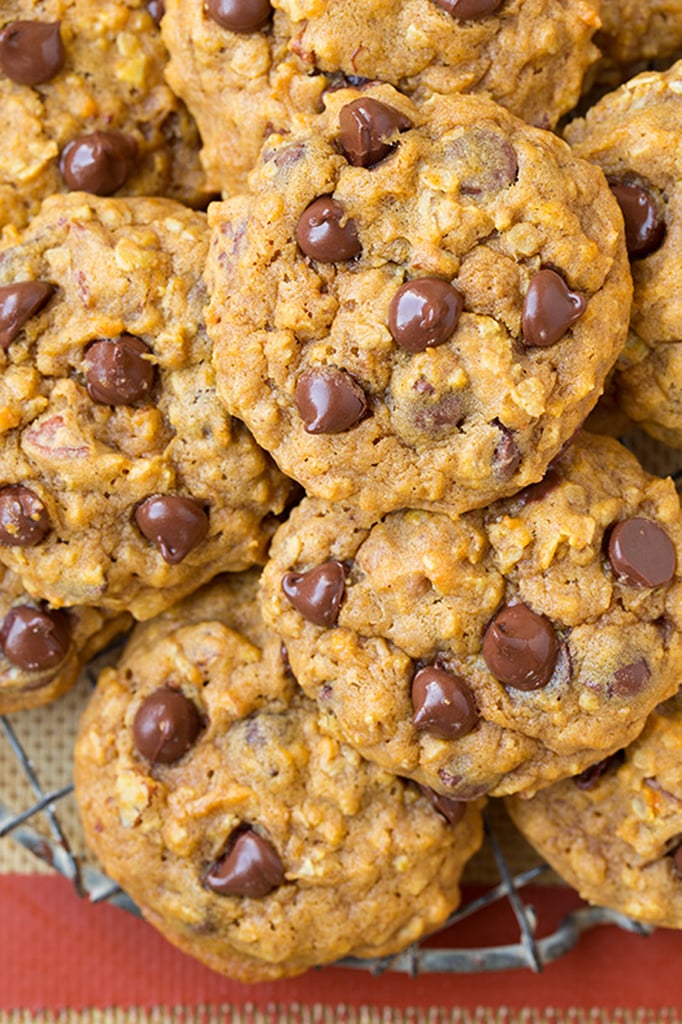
[
  {"x": 506, "y": 457},
  {"x": 630, "y": 680},
  {"x": 520, "y": 647},
  {"x": 157, "y": 9},
  {"x": 368, "y": 130},
  {"x": 23, "y": 517},
  {"x": 174, "y": 523},
  {"x": 35, "y": 639},
  {"x": 540, "y": 490},
  {"x": 329, "y": 401},
  {"x": 31, "y": 52},
  {"x": 594, "y": 774},
  {"x": 424, "y": 313},
  {"x": 166, "y": 725},
  {"x": 243, "y": 16},
  {"x": 99, "y": 163},
  {"x": 251, "y": 867},
  {"x": 549, "y": 309},
  {"x": 644, "y": 226},
  {"x": 18, "y": 303},
  {"x": 440, "y": 417},
  {"x": 641, "y": 553},
  {"x": 317, "y": 593},
  {"x": 117, "y": 372},
  {"x": 443, "y": 704},
  {"x": 452, "y": 810},
  {"x": 324, "y": 233},
  {"x": 483, "y": 160},
  {"x": 676, "y": 858},
  {"x": 469, "y": 10}
]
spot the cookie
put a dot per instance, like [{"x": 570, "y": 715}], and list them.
[
  {"x": 247, "y": 832},
  {"x": 416, "y": 307},
  {"x": 635, "y": 135},
  {"x": 495, "y": 652},
  {"x": 634, "y": 31},
  {"x": 85, "y": 106},
  {"x": 245, "y": 69},
  {"x": 613, "y": 832},
  {"x": 123, "y": 482},
  {"x": 42, "y": 649}
]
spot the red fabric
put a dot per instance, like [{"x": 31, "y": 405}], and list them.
[{"x": 57, "y": 951}]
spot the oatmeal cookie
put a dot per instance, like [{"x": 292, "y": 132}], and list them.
[
  {"x": 632, "y": 30},
  {"x": 85, "y": 106},
  {"x": 123, "y": 482},
  {"x": 249, "y": 834},
  {"x": 495, "y": 652},
  {"x": 613, "y": 832},
  {"x": 635, "y": 135},
  {"x": 416, "y": 307},
  {"x": 246, "y": 69}
]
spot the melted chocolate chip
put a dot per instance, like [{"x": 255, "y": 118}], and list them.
[
  {"x": 242, "y": 16},
  {"x": 329, "y": 401},
  {"x": 174, "y": 523},
  {"x": 507, "y": 457},
  {"x": 117, "y": 372},
  {"x": 368, "y": 130},
  {"x": 317, "y": 593},
  {"x": 157, "y": 9},
  {"x": 452, "y": 810},
  {"x": 483, "y": 160},
  {"x": 99, "y": 163},
  {"x": 443, "y": 704},
  {"x": 549, "y": 309},
  {"x": 166, "y": 725},
  {"x": 644, "y": 226},
  {"x": 630, "y": 680},
  {"x": 424, "y": 313},
  {"x": 440, "y": 417},
  {"x": 31, "y": 52},
  {"x": 469, "y": 10},
  {"x": 23, "y": 517},
  {"x": 251, "y": 867},
  {"x": 324, "y": 233},
  {"x": 520, "y": 648},
  {"x": 540, "y": 490},
  {"x": 18, "y": 303},
  {"x": 641, "y": 553},
  {"x": 594, "y": 774},
  {"x": 35, "y": 639}
]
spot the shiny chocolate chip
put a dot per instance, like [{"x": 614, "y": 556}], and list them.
[
  {"x": 593, "y": 775},
  {"x": 35, "y": 639},
  {"x": 174, "y": 523},
  {"x": 18, "y": 303},
  {"x": 631, "y": 679},
  {"x": 157, "y": 9},
  {"x": 469, "y": 10},
  {"x": 424, "y": 313},
  {"x": 317, "y": 593},
  {"x": 117, "y": 372},
  {"x": 507, "y": 456},
  {"x": 99, "y": 163},
  {"x": 23, "y": 517},
  {"x": 166, "y": 725},
  {"x": 251, "y": 867},
  {"x": 644, "y": 226},
  {"x": 368, "y": 130},
  {"x": 520, "y": 648},
  {"x": 242, "y": 16},
  {"x": 549, "y": 309},
  {"x": 329, "y": 401},
  {"x": 325, "y": 233},
  {"x": 641, "y": 553},
  {"x": 31, "y": 52},
  {"x": 443, "y": 704},
  {"x": 452, "y": 810}
]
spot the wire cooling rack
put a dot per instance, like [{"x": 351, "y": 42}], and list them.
[{"x": 46, "y": 830}]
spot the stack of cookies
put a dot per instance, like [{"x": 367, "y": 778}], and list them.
[{"x": 323, "y": 445}]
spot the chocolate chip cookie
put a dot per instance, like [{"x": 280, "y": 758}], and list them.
[
  {"x": 634, "y": 135},
  {"x": 42, "y": 649},
  {"x": 498, "y": 651},
  {"x": 123, "y": 482},
  {"x": 416, "y": 307},
  {"x": 85, "y": 106},
  {"x": 246, "y": 68},
  {"x": 634, "y": 31},
  {"x": 614, "y": 831},
  {"x": 249, "y": 834}
]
